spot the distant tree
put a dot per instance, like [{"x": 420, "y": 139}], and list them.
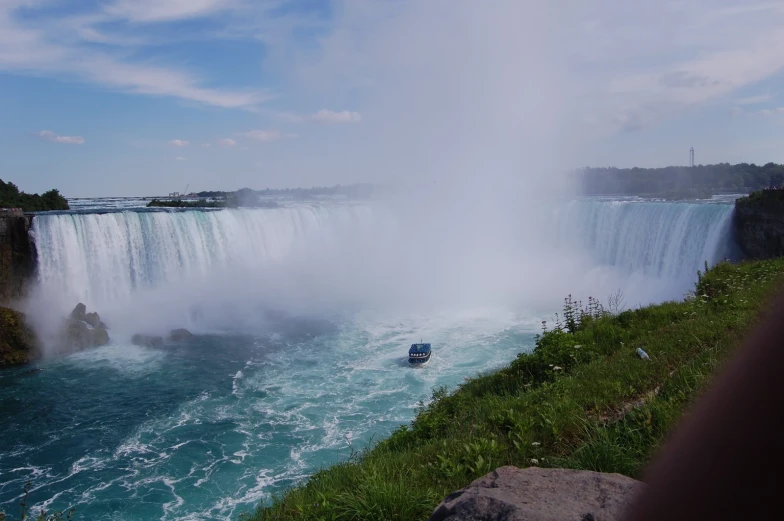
[
  {"x": 675, "y": 180},
  {"x": 11, "y": 197}
]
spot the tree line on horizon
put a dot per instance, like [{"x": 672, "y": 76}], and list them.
[
  {"x": 12, "y": 197},
  {"x": 680, "y": 180},
  {"x": 352, "y": 190}
]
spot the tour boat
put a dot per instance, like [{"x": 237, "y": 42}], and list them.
[{"x": 419, "y": 354}]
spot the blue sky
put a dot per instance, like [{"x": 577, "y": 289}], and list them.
[{"x": 143, "y": 97}]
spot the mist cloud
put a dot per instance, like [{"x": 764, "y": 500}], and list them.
[{"x": 54, "y": 138}]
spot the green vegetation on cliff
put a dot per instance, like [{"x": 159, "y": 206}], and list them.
[
  {"x": 11, "y": 197},
  {"x": 768, "y": 199},
  {"x": 17, "y": 340},
  {"x": 582, "y": 399}
]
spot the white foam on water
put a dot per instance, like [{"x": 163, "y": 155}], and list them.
[{"x": 126, "y": 358}]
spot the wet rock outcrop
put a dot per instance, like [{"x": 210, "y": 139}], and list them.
[
  {"x": 179, "y": 335},
  {"x": 18, "y": 343},
  {"x": 537, "y": 494}
]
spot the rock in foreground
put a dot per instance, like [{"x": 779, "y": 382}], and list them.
[{"x": 536, "y": 494}]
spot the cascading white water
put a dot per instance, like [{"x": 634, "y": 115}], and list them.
[
  {"x": 99, "y": 258},
  {"x": 668, "y": 241},
  {"x": 345, "y": 251}
]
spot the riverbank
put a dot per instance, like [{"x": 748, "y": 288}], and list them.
[
  {"x": 204, "y": 203},
  {"x": 584, "y": 399}
]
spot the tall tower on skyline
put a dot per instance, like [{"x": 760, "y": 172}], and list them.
[{"x": 691, "y": 156}]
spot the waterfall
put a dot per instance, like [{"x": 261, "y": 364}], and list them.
[
  {"x": 104, "y": 257},
  {"x": 664, "y": 240},
  {"x": 329, "y": 255}
]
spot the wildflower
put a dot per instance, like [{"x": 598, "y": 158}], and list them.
[
  {"x": 557, "y": 368},
  {"x": 535, "y": 443},
  {"x": 534, "y": 461},
  {"x": 577, "y": 346}
]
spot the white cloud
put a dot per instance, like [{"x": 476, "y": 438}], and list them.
[
  {"x": 770, "y": 112},
  {"x": 179, "y": 158},
  {"x": 54, "y": 138},
  {"x": 63, "y": 46},
  {"x": 753, "y": 100},
  {"x": 328, "y": 116},
  {"x": 168, "y": 10},
  {"x": 263, "y": 136},
  {"x": 225, "y": 142},
  {"x": 205, "y": 145},
  {"x": 325, "y": 116},
  {"x": 682, "y": 54},
  {"x": 179, "y": 143},
  {"x": 629, "y": 120},
  {"x": 157, "y": 81}
]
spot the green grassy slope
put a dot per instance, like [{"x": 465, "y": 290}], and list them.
[{"x": 583, "y": 399}]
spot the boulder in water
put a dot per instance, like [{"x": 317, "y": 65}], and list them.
[
  {"x": 83, "y": 330},
  {"x": 147, "y": 340},
  {"x": 79, "y": 335},
  {"x": 94, "y": 320},
  {"x": 537, "y": 494},
  {"x": 178, "y": 335},
  {"x": 79, "y": 312},
  {"x": 99, "y": 336}
]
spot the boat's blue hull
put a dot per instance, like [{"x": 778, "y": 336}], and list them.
[{"x": 419, "y": 354}]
